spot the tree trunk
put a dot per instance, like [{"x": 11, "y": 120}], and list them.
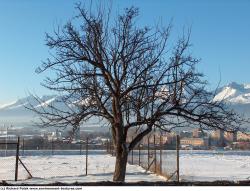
[{"x": 120, "y": 165}]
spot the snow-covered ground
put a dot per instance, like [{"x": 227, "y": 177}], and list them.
[
  {"x": 210, "y": 167},
  {"x": 194, "y": 166},
  {"x": 69, "y": 169}
]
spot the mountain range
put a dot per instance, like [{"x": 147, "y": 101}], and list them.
[
  {"x": 16, "y": 113},
  {"x": 236, "y": 95}
]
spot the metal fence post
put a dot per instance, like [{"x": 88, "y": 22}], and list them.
[
  {"x": 23, "y": 146},
  {"x": 110, "y": 149},
  {"x": 161, "y": 154},
  {"x": 132, "y": 153},
  {"x": 107, "y": 148},
  {"x": 177, "y": 157},
  {"x": 17, "y": 157},
  {"x": 52, "y": 147},
  {"x": 148, "y": 152},
  {"x": 80, "y": 148},
  {"x": 155, "y": 154},
  {"x": 87, "y": 142},
  {"x": 140, "y": 154}
]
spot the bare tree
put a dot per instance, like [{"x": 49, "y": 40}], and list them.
[{"x": 129, "y": 77}]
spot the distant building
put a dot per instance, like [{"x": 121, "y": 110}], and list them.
[
  {"x": 230, "y": 137},
  {"x": 10, "y": 137},
  {"x": 197, "y": 133},
  {"x": 77, "y": 134},
  {"x": 217, "y": 138},
  {"x": 51, "y": 136},
  {"x": 167, "y": 138},
  {"x": 194, "y": 142},
  {"x": 241, "y": 145},
  {"x": 58, "y": 135},
  {"x": 3, "y": 132},
  {"x": 243, "y": 136},
  {"x": 187, "y": 134}
]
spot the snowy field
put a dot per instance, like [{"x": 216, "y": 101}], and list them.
[
  {"x": 209, "y": 166},
  {"x": 194, "y": 166},
  {"x": 69, "y": 169}
]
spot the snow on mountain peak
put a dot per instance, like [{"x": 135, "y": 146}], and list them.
[
  {"x": 247, "y": 86},
  {"x": 7, "y": 104},
  {"x": 234, "y": 93},
  {"x": 28, "y": 100},
  {"x": 46, "y": 103}
]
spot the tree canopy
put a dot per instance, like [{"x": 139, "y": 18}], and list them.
[{"x": 129, "y": 76}]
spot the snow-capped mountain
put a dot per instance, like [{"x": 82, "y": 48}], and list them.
[
  {"x": 237, "y": 96},
  {"x": 20, "y": 103},
  {"x": 16, "y": 113},
  {"x": 234, "y": 93}
]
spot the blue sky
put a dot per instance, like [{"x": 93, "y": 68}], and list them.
[{"x": 220, "y": 37}]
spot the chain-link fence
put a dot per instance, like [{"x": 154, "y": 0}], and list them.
[
  {"x": 22, "y": 159},
  {"x": 19, "y": 160},
  {"x": 157, "y": 156},
  {"x": 8, "y": 159},
  {"x": 11, "y": 164}
]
